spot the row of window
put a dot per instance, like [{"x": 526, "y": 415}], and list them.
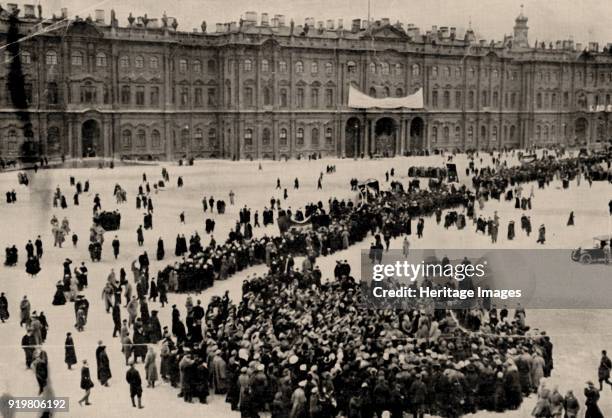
[
  {"x": 283, "y": 97},
  {"x": 444, "y": 133},
  {"x": 510, "y": 100},
  {"x": 266, "y": 137},
  {"x": 139, "y": 139}
]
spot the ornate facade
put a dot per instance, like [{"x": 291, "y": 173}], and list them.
[{"x": 266, "y": 89}]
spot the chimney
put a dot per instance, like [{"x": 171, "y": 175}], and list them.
[
  {"x": 444, "y": 31},
  {"x": 385, "y": 21},
  {"x": 434, "y": 29},
  {"x": 99, "y": 16},
  {"x": 233, "y": 26},
  {"x": 365, "y": 24},
  {"x": 219, "y": 28},
  {"x": 28, "y": 10},
  {"x": 11, "y": 7},
  {"x": 250, "y": 17},
  {"x": 153, "y": 23},
  {"x": 330, "y": 24},
  {"x": 453, "y": 32},
  {"x": 579, "y": 47},
  {"x": 281, "y": 20},
  {"x": 483, "y": 43},
  {"x": 264, "y": 19},
  {"x": 340, "y": 24},
  {"x": 310, "y": 21},
  {"x": 64, "y": 11},
  {"x": 558, "y": 45},
  {"x": 356, "y": 25},
  {"x": 594, "y": 46},
  {"x": 320, "y": 25}
]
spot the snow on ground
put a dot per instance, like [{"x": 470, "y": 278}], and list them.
[{"x": 578, "y": 335}]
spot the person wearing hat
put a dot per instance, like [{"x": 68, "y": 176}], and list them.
[
  {"x": 69, "y": 352},
  {"x": 133, "y": 378},
  {"x": 603, "y": 371},
  {"x": 86, "y": 383},
  {"x": 103, "y": 364},
  {"x": 298, "y": 401},
  {"x": 571, "y": 405}
]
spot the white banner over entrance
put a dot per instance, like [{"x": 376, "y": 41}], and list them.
[{"x": 359, "y": 100}]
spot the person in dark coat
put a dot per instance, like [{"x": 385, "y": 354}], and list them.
[
  {"x": 541, "y": 235},
  {"x": 116, "y": 245},
  {"x": 4, "y": 313},
  {"x": 104, "y": 372},
  {"x": 161, "y": 252},
  {"x": 592, "y": 396},
  {"x": 86, "y": 383},
  {"x": 570, "y": 221},
  {"x": 70, "y": 354},
  {"x": 28, "y": 341},
  {"x": 603, "y": 371},
  {"x": 116, "y": 319},
  {"x": 133, "y": 378},
  {"x": 42, "y": 371},
  {"x": 511, "y": 232},
  {"x": 153, "y": 293}
]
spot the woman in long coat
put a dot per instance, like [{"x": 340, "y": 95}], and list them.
[
  {"x": 104, "y": 372},
  {"x": 70, "y": 354},
  {"x": 150, "y": 365},
  {"x": 4, "y": 313},
  {"x": 86, "y": 383}
]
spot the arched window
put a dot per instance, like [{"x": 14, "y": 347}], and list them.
[
  {"x": 458, "y": 72},
  {"x": 434, "y": 98},
  {"x": 329, "y": 138},
  {"x": 582, "y": 101},
  {"x": 434, "y": 134},
  {"x": 494, "y": 133},
  {"x": 282, "y": 138},
  {"x": 457, "y": 133},
  {"x": 546, "y": 133},
  {"x": 265, "y": 66},
  {"x": 155, "y": 139},
  {"x": 212, "y": 138},
  {"x": 471, "y": 100},
  {"x": 101, "y": 59},
  {"x": 26, "y": 57},
  {"x": 471, "y": 72},
  {"x": 512, "y": 132},
  {"x": 267, "y": 96},
  {"x": 248, "y": 138},
  {"x": 495, "y": 99},
  {"x": 372, "y": 68},
  {"x": 446, "y": 133},
  {"x": 299, "y": 67},
  {"x": 399, "y": 92},
  {"x": 198, "y": 139},
  {"x": 329, "y": 68},
  {"x": 184, "y": 138},
  {"x": 470, "y": 133},
  {"x": 248, "y": 65},
  {"x": 51, "y": 58},
  {"x": 483, "y": 132},
  {"x": 265, "y": 137},
  {"x": 538, "y": 133},
  {"x": 141, "y": 138},
  {"x": 53, "y": 140},
  {"x": 76, "y": 58},
  {"x": 372, "y": 92},
  {"x": 154, "y": 63},
  {"x": 283, "y": 97},
  {"x": 126, "y": 138},
  {"x": 182, "y": 66},
  {"x": 124, "y": 61},
  {"x": 282, "y": 67},
  {"x": 447, "y": 72},
  {"x": 416, "y": 70},
  {"x": 314, "y": 67},
  {"x": 299, "y": 138},
  {"x": 384, "y": 68},
  {"x": 12, "y": 141},
  {"x": 386, "y": 92},
  {"x": 139, "y": 62},
  {"x": 197, "y": 66},
  {"x": 211, "y": 66},
  {"x": 314, "y": 137},
  {"x": 351, "y": 68},
  {"x": 398, "y": 69},
  {"x": 446, "y": 99},
  {"x": 434, "y": 71}
]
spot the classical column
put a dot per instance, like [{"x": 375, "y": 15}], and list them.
[{"x": 372, "y": 146}]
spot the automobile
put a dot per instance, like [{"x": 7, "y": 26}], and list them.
[{"x": 596, "y": 253}]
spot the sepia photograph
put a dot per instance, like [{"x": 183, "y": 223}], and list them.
[{"x": 306, "y": 209}]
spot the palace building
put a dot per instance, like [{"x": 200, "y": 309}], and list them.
[{"x": 267, "y": 88}]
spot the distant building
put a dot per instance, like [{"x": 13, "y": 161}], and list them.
[{"x": 269, "y": 89}]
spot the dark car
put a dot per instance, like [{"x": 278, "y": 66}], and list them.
[{"x": 593, "y": 255}]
